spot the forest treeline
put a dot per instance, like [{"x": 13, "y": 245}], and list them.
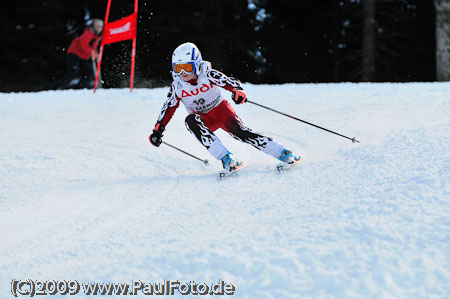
[{"x": 257, "y": 41}]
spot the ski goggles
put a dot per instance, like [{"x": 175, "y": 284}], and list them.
[{"x": 187, "y": 68}]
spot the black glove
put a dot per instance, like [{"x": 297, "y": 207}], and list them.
[
  {"x": 156, "y": 137},
  {"x": 239, "y": 96}
]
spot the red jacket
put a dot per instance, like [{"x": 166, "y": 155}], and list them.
[{"x": 83, "y": 45}]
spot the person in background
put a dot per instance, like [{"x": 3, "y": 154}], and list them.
[{"x": 81, "y": 50}]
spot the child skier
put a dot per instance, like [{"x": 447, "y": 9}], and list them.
[{"x": 196, "y": 84}]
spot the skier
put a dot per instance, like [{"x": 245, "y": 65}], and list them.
[
  {"x": 81, "y": 50},
  {"x": 196, "y": 84}
]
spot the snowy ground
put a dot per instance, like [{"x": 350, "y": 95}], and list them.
[{"x": 84, "y": 196}]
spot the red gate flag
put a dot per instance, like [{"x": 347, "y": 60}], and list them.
[
  {"x": 113, "y": 32},
  {"x": 120, "y": 30}
]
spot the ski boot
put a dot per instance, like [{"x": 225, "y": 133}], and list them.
[
  {"x": 229, "y": 162},
  {"x": 287, "y": 157}
]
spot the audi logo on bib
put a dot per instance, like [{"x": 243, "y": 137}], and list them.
[{"x": 196, "y": 91}]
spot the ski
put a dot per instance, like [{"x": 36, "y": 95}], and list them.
[
  {"x": 281, "y": 167},
  {"x": 226, "y": 174},
  {"x": 284, "y": 166}
]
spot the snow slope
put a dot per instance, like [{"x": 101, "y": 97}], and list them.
[{"x": 84, "y": 196}]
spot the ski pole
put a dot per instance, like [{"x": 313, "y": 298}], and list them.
[
  {"x": 94, "y": 69},
  {"x": 204, "y": 161},
  {"x": 352, "y": 139}
]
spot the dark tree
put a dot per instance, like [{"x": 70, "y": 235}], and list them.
[
  {"x": 294, "y": 40},
  {"x": 386, "y": 40},
  {"x": 442, "y": 39},
  {"x": 369, "y": 46}
]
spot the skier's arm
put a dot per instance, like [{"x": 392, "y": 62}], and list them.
[
  {"x": 222, "y": 80},
  {"x": 229, "y": 83},
  {"x": 171, "y": 104},
  {"x": 165, "y": 116}
]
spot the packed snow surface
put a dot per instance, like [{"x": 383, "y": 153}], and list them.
[{"x": 84, "y": 196}]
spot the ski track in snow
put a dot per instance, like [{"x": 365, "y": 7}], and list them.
[{"x": 83, "y": 194}]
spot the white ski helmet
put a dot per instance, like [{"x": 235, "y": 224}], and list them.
[{"x": 186, "y": 53}]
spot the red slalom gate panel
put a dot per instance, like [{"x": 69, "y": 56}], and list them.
[{"x": 117, "y": 31}]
